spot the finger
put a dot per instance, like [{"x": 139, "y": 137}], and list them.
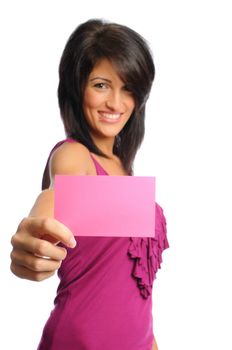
[
  {"x": 33, "y": 262},
  {"x": 43, "y": 227},
  {"x": 23, "y": 272},
  {"x": 40, "y": 247}
]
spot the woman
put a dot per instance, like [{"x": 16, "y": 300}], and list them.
[{"x": 104, "y": 299}]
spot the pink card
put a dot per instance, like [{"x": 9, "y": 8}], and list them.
[{"x": 113, "y": 206}]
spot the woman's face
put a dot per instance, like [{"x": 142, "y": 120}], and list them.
[{"x": 107, "y": 104}]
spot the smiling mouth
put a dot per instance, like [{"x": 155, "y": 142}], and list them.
[{"x": 110, "y": 117}]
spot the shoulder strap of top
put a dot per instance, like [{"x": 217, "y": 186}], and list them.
[{"x": 99, "y": 169}]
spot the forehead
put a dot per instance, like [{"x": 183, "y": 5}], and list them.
[{"x": 106, "y": 69}]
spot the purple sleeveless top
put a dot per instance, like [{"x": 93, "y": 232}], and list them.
[{"x": 104, "y": 299}]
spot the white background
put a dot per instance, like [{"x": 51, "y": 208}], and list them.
[{"x": 187, "y": 147}]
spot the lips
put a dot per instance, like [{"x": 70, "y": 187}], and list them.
[{"x": 110, "y": 117}]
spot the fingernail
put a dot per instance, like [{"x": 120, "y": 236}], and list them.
[{"x": 72, "y": 242}]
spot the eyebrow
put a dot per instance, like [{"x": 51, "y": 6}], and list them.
[{"x": 101, "y": 78}]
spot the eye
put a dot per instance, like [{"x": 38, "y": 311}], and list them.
[
  {"x": 100, "y": 85},
  {"x": 128, "y": 89}
]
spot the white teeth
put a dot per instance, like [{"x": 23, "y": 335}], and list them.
[{"x": 110, "y": 116}]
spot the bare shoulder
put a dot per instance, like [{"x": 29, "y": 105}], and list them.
[{"x": 71, "y": 158}]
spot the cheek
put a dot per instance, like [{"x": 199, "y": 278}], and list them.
[
  {"x": 91, "y": 99},
  {"x": 131, "y": 104}
]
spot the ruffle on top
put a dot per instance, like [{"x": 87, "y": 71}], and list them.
[{"x": 147, "y": 254}]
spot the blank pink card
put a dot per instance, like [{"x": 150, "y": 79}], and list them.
[{"x": 113, "y": 206}]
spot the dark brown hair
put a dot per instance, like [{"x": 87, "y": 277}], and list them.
[{"x": 130, "y": 54}]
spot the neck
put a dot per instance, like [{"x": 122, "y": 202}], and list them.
[{"x": 105, "y": 145}]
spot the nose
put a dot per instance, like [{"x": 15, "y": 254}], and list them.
[{"x": 114, "y": 100}]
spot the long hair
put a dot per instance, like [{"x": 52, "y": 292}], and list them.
[{"x": 130, "y": 54}]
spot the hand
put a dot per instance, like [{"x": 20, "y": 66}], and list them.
[{"x": 35, "y": 255}]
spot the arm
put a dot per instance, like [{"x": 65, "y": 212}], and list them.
[
  {"x": 154, "y": 345},
  {"x": 35, "y": 255}
]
